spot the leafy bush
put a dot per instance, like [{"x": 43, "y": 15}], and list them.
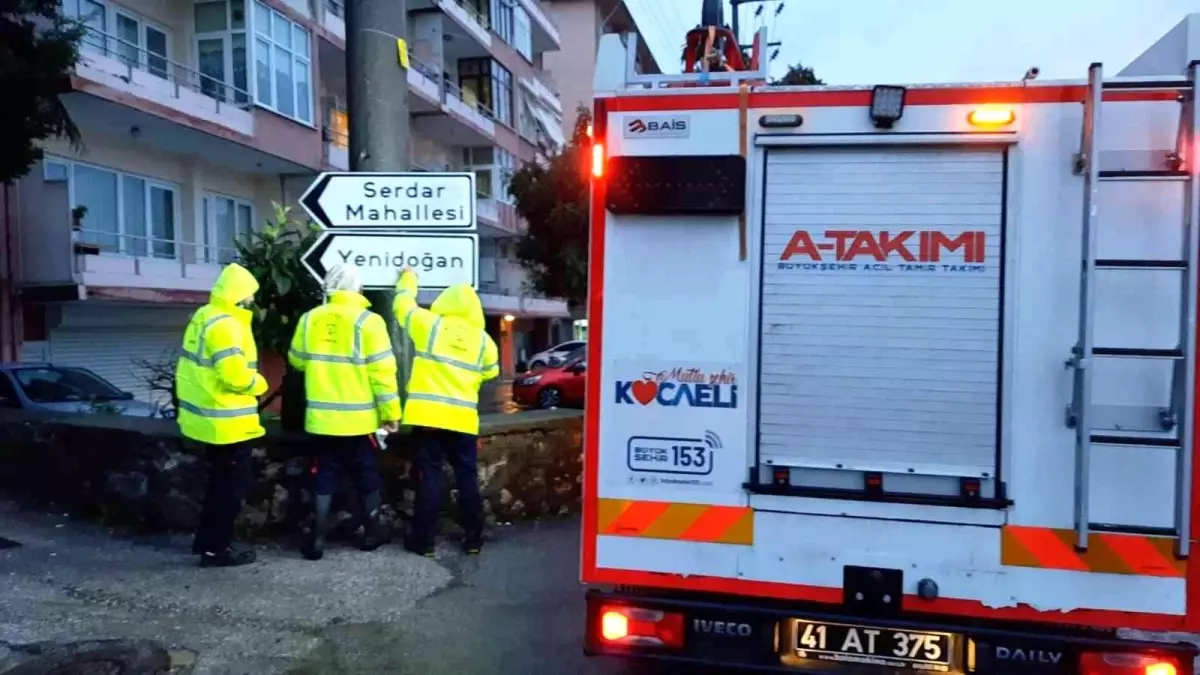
[{"x": 286, "y": 289}]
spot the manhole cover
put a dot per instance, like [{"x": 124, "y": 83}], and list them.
[{"x": 8, "y": 543}]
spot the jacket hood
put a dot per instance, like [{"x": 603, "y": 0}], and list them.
[
  {"x": 234, "y": 285},
  {"x": 460, "y": 300}
]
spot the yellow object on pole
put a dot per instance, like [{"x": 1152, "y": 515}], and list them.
[{"x": 402, "y": 53}]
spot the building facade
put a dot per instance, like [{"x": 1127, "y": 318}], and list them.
[
  {"x": 581, "y": 23},
  {"x": 197, "y": 115}
]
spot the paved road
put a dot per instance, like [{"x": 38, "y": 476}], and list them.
[{"x": 515, "y": 610}]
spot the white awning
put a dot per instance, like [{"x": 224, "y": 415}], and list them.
[
  {"x": 541, "y": 93},
  {"x": 550, "y": 124}
]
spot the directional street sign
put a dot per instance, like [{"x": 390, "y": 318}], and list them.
[
  {"x": 440, "y": 260},
  {"x": 392, "y": 201}
]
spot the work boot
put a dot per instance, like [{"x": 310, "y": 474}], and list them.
[
  {"x": 314, "y": 545},
  {"x": 473, "y": 543},
  {"x": 230, "y": 557},
  {"x": 374, "y": 533},
  {"x": 418, "y": 546}
]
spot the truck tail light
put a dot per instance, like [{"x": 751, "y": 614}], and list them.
[
  {"x": 598, "y": 160},
  {"x": 1116, "y": 663},
  {"x": 633, "y": 626}
]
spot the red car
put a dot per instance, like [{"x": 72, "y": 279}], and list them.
[{"x": 553, "y": 386}]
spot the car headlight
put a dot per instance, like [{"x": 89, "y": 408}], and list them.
[{"x": 530, "y": 380}]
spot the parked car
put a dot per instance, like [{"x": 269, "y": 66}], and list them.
[
  {"x": 553, "y": 386},
  {"x": 46, "y": 387},
  {"x": 556, "y": 355}
]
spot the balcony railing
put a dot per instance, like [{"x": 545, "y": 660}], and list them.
[
  {"x": 425, "y": 68},
  {"x": 456, "y": 91},
  {"x": 120, "y": 246},
  {"x": 474, "y": 13},
  {"x": 135, "y": 57}
]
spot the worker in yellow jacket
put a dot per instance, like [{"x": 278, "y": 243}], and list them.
[
  {"x": 350, "y": 382},
  {"x": 453, "y": 356},
  {"x": 217, "y": 382}
]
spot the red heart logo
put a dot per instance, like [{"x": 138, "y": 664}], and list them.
[{"x": 645, "y": 391}]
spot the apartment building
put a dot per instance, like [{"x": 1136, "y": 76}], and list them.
[
  {"x": 197, "y": 115},
  {"x": 581, "y": 23}
]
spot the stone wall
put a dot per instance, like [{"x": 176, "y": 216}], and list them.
[{"x": 139, "y": 473}]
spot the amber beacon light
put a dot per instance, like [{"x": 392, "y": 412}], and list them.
[{"x": 992, "y": 116}]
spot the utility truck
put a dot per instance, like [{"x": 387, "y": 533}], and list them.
[{"x": 893, "y": 378}]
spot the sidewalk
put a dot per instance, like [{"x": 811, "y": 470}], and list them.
[{"x": 73, "y": 581}]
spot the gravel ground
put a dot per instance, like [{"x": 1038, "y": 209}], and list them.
[{"x": 72, "y": 581}]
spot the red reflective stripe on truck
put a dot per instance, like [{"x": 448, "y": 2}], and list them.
[{"x": 1109, "y": 553}]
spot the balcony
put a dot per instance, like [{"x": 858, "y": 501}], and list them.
[
  {"x": 105, "y": 260},
  {"x": 124, "y": 70},
  {"x": 424, "y": 85},
  {"x": 332, "y": 15},
  {"x": 467, "y": 19},
  {"x": 463, "y": 105},
  {"x": 545, "y": 33}
]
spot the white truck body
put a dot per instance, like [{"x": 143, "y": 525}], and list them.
[{"x": 904, "y": 309}]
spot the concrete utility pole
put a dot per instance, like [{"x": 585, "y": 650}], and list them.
[{"x": 377, "y": 92}]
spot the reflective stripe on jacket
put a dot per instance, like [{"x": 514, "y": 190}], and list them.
[
  {"x": 454, "y": 356},
  {"x": 349, "y": 369},
  {"x": 216, "y": 378}
]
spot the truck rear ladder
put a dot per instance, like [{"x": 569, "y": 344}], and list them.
[{"x": 1181, "y": 165}]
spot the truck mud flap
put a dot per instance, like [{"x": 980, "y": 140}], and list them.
[{"x": 777, "y": 637}]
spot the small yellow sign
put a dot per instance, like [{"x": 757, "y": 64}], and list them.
[{"x": 402, "y": 53}]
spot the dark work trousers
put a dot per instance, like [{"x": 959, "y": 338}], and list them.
[
  {"x": 334, "y": 454},
  {"x": 230, "y": 472},
  {"x": 432, "y": 445}
]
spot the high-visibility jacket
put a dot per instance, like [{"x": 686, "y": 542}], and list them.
[
  {"x": 349, "y": 369},
  {"x": 216, "y": 378},
  {"x": 453, "y": 356}
]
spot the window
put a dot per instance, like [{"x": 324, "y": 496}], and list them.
[
  {"x": 221, "y": 49},
  {"x": 480, "y": 162},
  {"x": 225, "y": 221},
  {"x": 474, "y": 79},
  {"x": 139, "y": 43},
  {"x": 282, "y": 64},
  {"x": 522, "y": 33},
  {"x": 493, "y": 169},
  {"x": 94, "y": 16},
  {"x": 8, "y": 393},
  {"x": 62, "y": 385},
  {"x": 507, "y": 165},
  {"x": 118, "y": 212},
  {"x": 502, "y": 82},
  {"x": 477, "y": 9},
  {"x": 490, "y": 84},
  {"x": 502, "y": 19}
]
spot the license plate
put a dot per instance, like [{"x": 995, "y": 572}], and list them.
[{"x": 845, "y": 643}]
